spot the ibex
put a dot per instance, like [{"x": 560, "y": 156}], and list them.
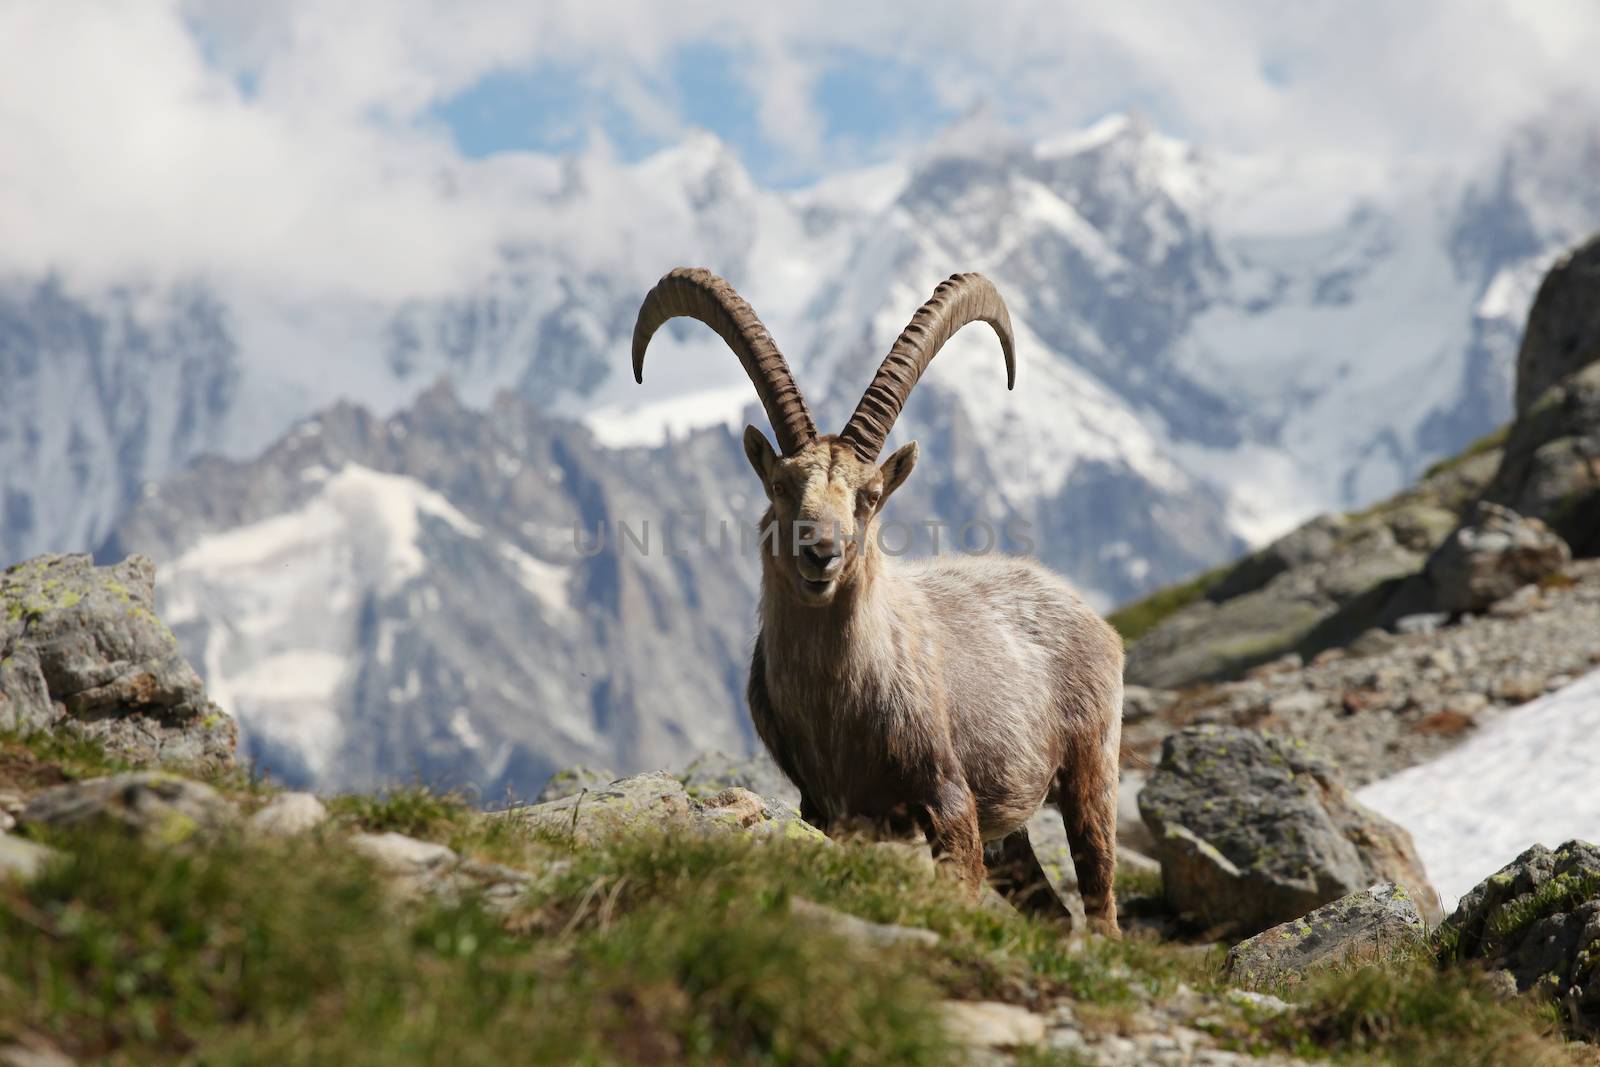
[{"x": 951, "y": 695}]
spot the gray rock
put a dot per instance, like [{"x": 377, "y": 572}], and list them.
[
  {"x": 22, "y": 860},
  {"x": 574, "y": 780},
  {"x": 1131, "y": 829},
  {"x": 418, "y": 869},
  {"x": 1141, "y": 702},
  {"x": 648, "y": 801},
  {"x": 1313, "y": 542},
  {"x": 716, "y": 771},
  {"x": 403, "y": 856},
  {"x": 740, "y": 809},
  {"x": 1252, "y": 831},
  {"x": 157, "y": 806},
  {"x": 641, "y": 801},
  {"x": 81, "y": 649},
  {"x": 289, "y": 814},
  {"x": 1563, "y": 331},
  {"x": 1551, "y": 464},
  {"x": 1538, "y": 918},
  {"x": 992, "y": 1024},
  {"x": 855, "y": 929},
  {"x": 1369, "y": 926},
  {"x": 1490, "y": 556}
]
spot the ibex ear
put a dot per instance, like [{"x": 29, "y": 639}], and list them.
[
  {"x": 760, "y": 453},
  {"x": 897, "y": 468}
]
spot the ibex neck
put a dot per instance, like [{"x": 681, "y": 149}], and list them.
[{"x": 859, "y": 603}]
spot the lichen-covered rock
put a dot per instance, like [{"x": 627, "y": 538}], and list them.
[
  {"x": 655, "y": 799},
  {"x": 1538, "y": 918},
  {"x": 159, "y": 807},
  {"x": 1490, "y": 556},
  {"x": 1252, "y": 831},
  {"x": 1369, "y": 926},
  {"x": 713, "y": 772},
  {"x": 635, "y": 803},
  {"x": 571, "y": 781},
  {"x": 81, "y": 649}
]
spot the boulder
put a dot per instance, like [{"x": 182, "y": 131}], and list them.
[
  {"x": 1538, "y": 919},
  {"x": 1563, "y": 332},
  {"x": 1551, "y": 466},
  {"x": 992, "y": 1024},
  {"x": 22, "y": 860},
  {"x": 1494, "y": 553},
  {"x": 713, "y": 772},
  {"x": 1303, "y": 607},
  {"x": 851, "y": 928},
  {"x": 289, "y": 814},
  {"x": 159, "y": 807},
  {"x": 1369, "y": 926},
  {"x": 81, "y": 649},
  {"x": 572, "y": 781},
  {"x": 1252, "y": 831},
  {"x": 418, "y": 869},
  {"x": 647, "y": 801}
]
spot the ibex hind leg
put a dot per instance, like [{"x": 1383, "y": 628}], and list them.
[
  {"x": 1087, "y": 794},
  {"x": 1015, "y": 872}
]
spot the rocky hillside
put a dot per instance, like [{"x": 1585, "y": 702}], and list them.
[
  {"x": 197, "y": 913},
  {"x": 1387, "y": 637},
  {"x": 1469, "y": 539}
]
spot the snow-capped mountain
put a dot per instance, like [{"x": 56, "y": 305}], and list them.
[
  {"x": 1210, "y": 348},
  {"x": 1198, "y": 345},
  {"x": 473, "y": 597}
]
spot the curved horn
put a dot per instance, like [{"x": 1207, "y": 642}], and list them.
[
  {"x": 959, "y": 299},
  {"x": 696, "y": 293}
]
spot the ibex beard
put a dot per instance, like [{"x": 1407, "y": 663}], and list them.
[{"x": 954, "y": 694}]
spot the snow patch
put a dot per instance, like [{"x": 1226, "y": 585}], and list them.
[
  {"x": 546, "y": 581},
  {"x": 1527, "y": 778}
]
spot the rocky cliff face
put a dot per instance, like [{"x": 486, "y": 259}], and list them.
[
  {"x": 473, "y": 598},
  {"x": 1500, "y": 518}
]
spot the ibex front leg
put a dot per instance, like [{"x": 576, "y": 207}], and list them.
[{"x": 950, "y": 819}]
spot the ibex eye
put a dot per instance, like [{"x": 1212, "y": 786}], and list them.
[{"x": 778, "y": 489}]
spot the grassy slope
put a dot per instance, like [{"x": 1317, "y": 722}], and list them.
[{"x": 658, "y": 948}]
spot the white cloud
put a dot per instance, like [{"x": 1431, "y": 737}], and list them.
[{"x": 129, "y": 142}]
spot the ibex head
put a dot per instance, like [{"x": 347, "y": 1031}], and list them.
[{"x": 825, "y": 490}]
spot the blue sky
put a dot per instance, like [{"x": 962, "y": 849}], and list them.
[{"x": 867, "y": 106}]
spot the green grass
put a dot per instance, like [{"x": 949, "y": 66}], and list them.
[
  {"x": 663, "y": 947},
  {"x": 249, "y": 952},
  {"x": 1135, "y": 620},
  {"x": 59, "y": 756},
  {"x": 413, "y": 810},
  {"x": 1489, "y": 441},
  {"x": 1410, "y": 1012}
]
